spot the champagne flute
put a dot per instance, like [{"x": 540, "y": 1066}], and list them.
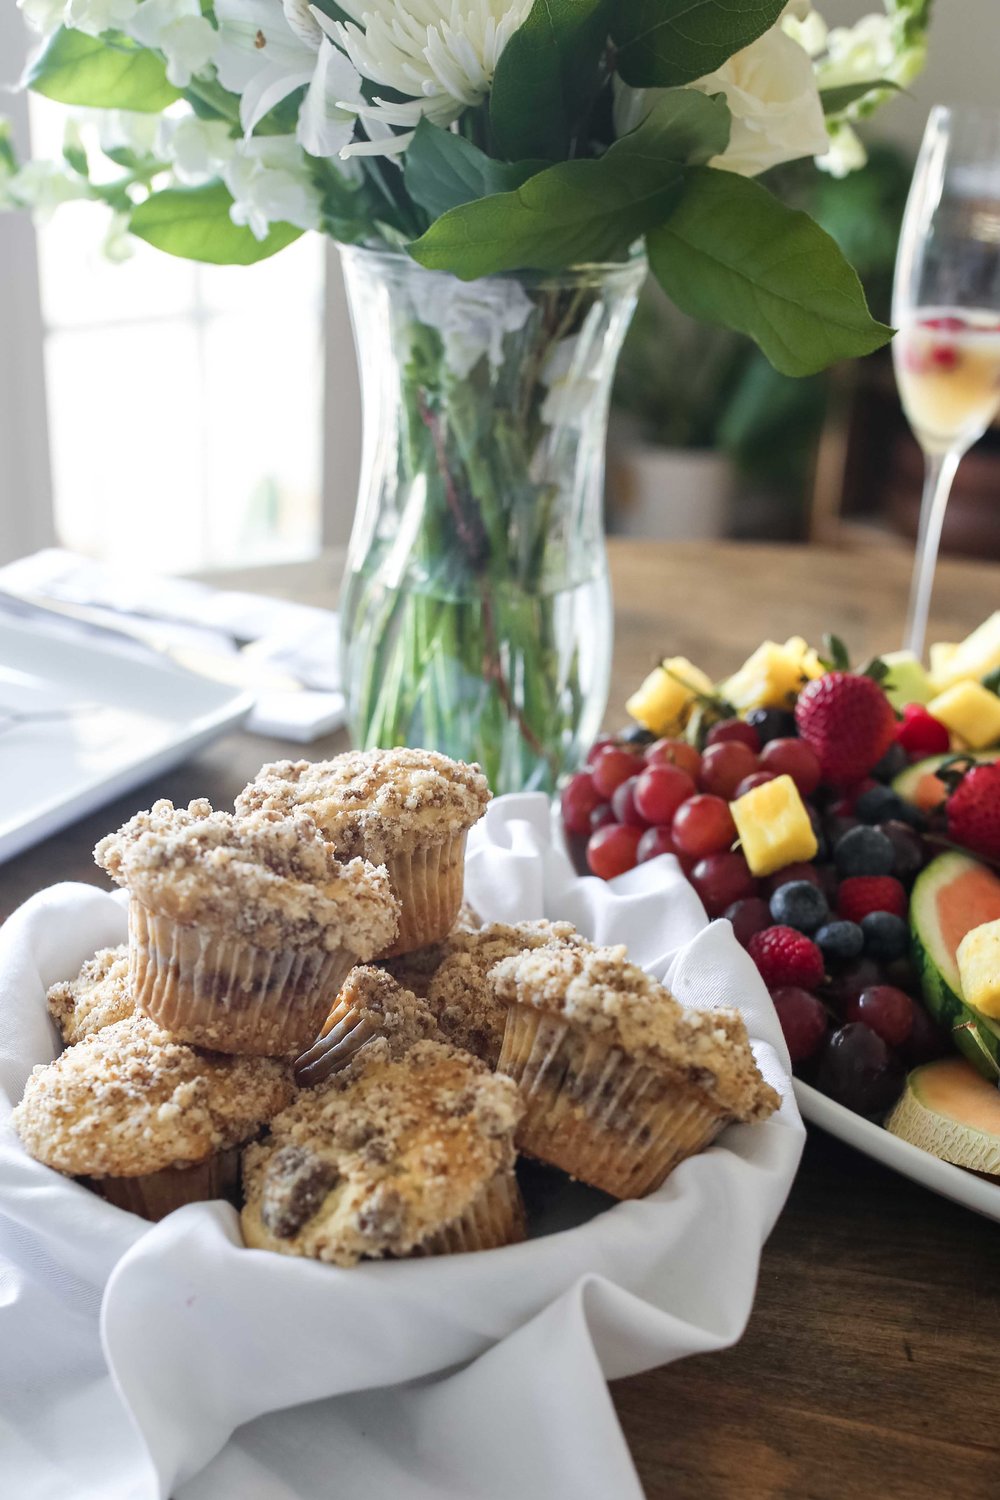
[{"x": 946, "y": 307}]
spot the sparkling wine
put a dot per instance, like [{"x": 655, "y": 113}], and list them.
[{"x": 948, "y": 373}]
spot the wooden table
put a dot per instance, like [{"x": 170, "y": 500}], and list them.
[{"x": 871, "y": 1365}]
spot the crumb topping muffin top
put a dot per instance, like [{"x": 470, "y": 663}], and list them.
[
  {"x": 274, "y": 879},
  {"x": 380, "y": 1157},
  {"x": 98, "y": 996},
  {"x": 130, "y": 1100},
  {"x": 467, "y": 1007},
  {"x": 369, "y": 999},
  {"x": 375, "y": 803},
  {"x": 599, "y": 989}
]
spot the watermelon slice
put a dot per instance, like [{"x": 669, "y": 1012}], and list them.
[
  {"x": 952, "y": 896},
  {"x": 949, "y": 1110}
]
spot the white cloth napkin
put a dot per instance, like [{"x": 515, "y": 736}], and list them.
[
  {"x": 202, "y": 627},
  {"x": 144, "y": 1361}
]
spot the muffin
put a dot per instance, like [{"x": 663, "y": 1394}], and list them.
[
  {"x": 98, "y": 996},
  {"x": 390, "y": 1157},
  {"x": 410, "y": 810},
  {"x": 467, "y": 1008},
  {"x": 370, "y": 1004},
  {"x": 146, "y": 1121},
  {"x": 621, "y": 1083},
  {"x": 241, "y": 930},
  {"x": 414, "y": 971}
]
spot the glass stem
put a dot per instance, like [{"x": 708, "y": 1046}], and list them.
[{"x": 939, "y": 475}]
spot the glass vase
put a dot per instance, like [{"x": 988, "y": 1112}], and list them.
[{"x": 476, "y": 611}]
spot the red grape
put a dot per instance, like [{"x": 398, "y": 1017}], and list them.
[
  {"x": 859, "y": 1071},
  {"x": 755, "y": 779},
  {"x": 724, "y": 766},
  {"x": 790, "y": 873},
  {"x": 660, "y": 790},
  {"x": 655, "y": 841},
  {"x": 600, "y": 744},
  {"x": 792, "y": 758},
  {"x": 926, "y": 1041},
  {"x": 721, "y": 879},
  {"x": 842, "y": 988},
  {"x": 613, "y": 766},
  {"x": 613, "y": 850},
  {"x": 703, "y": 825},
  {"x": 602, "y": 816},
  {"x": 674, "y": 753},
  {"x": 803, "y": 1021},
  {"x": 579, "y": 799},
  {"x": 748, "y": 917},
  {"x": 624, "y": 807},
  {"x": 887, "y": 1010},
  {"x": 735, "y": 731}
]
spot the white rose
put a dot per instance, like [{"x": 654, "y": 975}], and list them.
[{"x": 772, "y": 95}]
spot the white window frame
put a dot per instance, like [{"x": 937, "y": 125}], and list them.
[{"x": 26, "y": 500}]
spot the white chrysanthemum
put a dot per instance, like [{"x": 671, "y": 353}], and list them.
[
  {"x": 440, "y": 54},
  {"x": 269, "y": 180}
]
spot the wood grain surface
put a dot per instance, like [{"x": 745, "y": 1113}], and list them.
[{"x": 870, "y": 1369}]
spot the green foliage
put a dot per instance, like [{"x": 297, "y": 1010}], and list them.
[
  {"x": 836, "y": 100},
  {"x": 548, "y": 76},
  {"x": 731, "y": 253},
  {"x": 106, "y": 72},
  {"x": 443, "y": 171},
  {"x": 582, "y": 211},
  {"x": 194, "y": 224},
  {"x": 663, "y": 43}
]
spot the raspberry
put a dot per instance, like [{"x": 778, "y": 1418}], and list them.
[
  {"x": 861, "y": 894},
  {"x": 920, "y": 734},
  {"x": 784, "y": 956}
]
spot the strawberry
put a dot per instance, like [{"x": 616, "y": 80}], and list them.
[
  {"x": 974, "y": 811},
  {"x": 848, "y": 721},
  {"x": 783, "y": 956},
  {"x": 860, "y": 895}
]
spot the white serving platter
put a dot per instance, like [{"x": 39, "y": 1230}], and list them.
[
  {"x": 103, "y": 719},
  {"x": 964, "y": 1187}
]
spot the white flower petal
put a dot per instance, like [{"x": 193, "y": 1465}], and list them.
[{"x": 328, "y": 113}]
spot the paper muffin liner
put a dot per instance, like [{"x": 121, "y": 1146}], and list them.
[
  {"x": 216, "y": 989},
  {"x": 495, "y": 1217},
  {"x": 344, "y": 1032},
  {"x": 599, "y": 1115},
  {"x": 429, "y": 883},
  {"x": 157, "y": 1194}
]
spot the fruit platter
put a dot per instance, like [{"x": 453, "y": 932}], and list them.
[{"x": 845, "y": 818}]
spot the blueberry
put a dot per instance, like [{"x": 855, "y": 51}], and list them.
[
  {"x": 817, "y": 827},
  {"x": 799, "y": 904},
  {"x": 909, "y": 848},
  {"x": 864, "y": 851},
  {"x": 772, "y": 724},
  {"x": 886, "y": 936},
  {"x": 840, "y": 942},
  {"x": 892, "y": 763},
  {"x": 879, "y": 804},
  {"x": 636, "y": 734}
]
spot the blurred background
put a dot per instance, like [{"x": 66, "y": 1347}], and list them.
[{"x": 212, "y": 413}]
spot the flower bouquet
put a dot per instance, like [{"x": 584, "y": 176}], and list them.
[{"x": 501, "y": 171}]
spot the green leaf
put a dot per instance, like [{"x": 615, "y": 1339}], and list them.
[
  {"x": 107, "y": 72},
  {"x": 194, "y": 223},
  {"x": 580, "y": 211},
  {"x": 836, "y": 100},
  {"x": 663, "y": 43},
  {"x": 548, "y": 76},
  {"x": 442, "y": 170},
  {"x": 731, "y": 253}
]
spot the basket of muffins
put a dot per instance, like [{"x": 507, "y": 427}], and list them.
[{"x": 307, "y": 1021}]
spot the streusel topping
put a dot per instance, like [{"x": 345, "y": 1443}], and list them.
[
  {"x": 415, "y": 971},
  {"x": 599, "y": 989},
  {"x": 375, "y": 803},
  {"x": 130, "y": 1100},
  {"x": 381, "y": 1157},
  {"x": 98, "y": 996},
  {"x": 275, "y": 879},
  {"x": 461, "y": 996},
  {"x": 370, "y": 1005}
]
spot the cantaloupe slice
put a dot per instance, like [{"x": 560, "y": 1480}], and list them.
[{"x": 948, "y": 1109}]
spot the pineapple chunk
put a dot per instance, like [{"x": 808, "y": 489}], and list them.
[
  {"x": 979, "y": 968},
  {"x": 942, "y": 654},
  {"x": 907, "y": 681},
  {"x": 772, "y": 676},
  {"x": 975, "y": 657},
  {"x": 664, "y": 701},
  {"x": 773, "y": 826},
  {"x": 970, "y": 711}
]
